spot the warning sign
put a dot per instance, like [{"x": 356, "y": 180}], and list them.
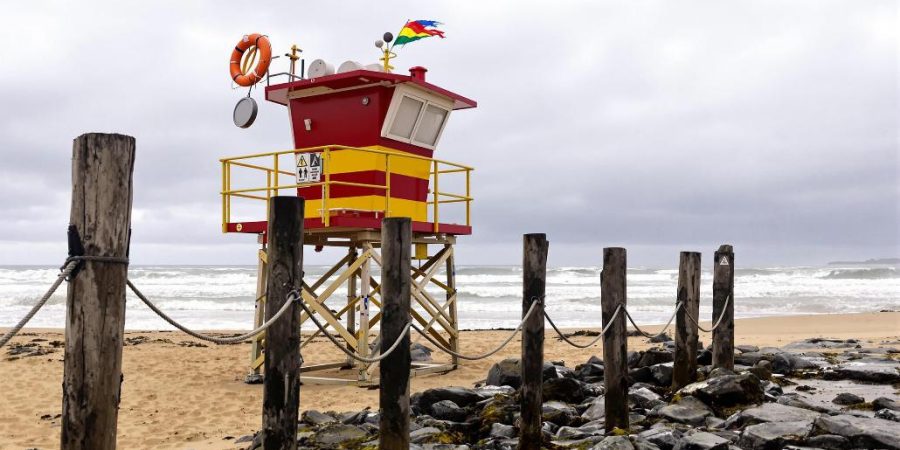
[
  {"x": 309, "y": 167},
  {"x": 724, "y": 261}
]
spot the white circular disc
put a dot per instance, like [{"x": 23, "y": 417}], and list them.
[{"x": 245, "y": 112}]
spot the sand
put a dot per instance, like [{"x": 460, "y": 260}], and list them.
[{"x": 183, "y": 397}]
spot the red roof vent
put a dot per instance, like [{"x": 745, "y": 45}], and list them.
[{"x": 418, "y": 73}]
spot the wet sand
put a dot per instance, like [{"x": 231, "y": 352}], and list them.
[{"x": 177, "y": 395}]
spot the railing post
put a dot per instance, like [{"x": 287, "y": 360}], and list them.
[
  {"x": 396, "y": 237},
  {"x": 686, "y": 333},
  {"x": 613, "y": 295},
  {"x": 437, "y": 193},
  {"x": 534, "y": 274},
  {"x": 281, "y": 385},
  {"x": 723, "y": 292},
  {"x": 100, "y": 224}
]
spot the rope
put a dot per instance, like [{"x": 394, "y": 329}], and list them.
[
  {"x": 719, "y": 321},
  {"x": 592, "y": 342},
  {"x": 485, "y": 355},
  {"x": 348, "y": 352},
  {"x": 66, "y": 270},
  {"x": 291, "y": 298},
  {"x": 639, "y": 330}
]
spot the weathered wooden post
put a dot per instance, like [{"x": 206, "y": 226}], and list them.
[
  {"x": 686, "y": 333},
  {"x": 613, "y": 293},
  {"x": 393, "y": 397},
  {"x": 100, "y": 225},
  {"x": 281, "y": 385},
  {"x": 723, "y": 299},
  {"x": 534, "y": 280}
]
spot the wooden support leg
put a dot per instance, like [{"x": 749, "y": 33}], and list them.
[
  {"x": 534, "y": 268},
  {"x": 615, "y": 343},
  {"x": 723, "y": 299},
  {"x": 351, "y": 296},
  {"x": 259, "y": 313},
  {"x": 452, "y": 300},
  {"x": 363, "y": 341},
  {"x": 684, "y": 370}
]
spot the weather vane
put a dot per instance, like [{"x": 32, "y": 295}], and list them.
[{"x": 412, "y": 31}]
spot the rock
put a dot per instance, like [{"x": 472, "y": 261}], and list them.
[
  {"x": 883, "y": 372},
  {"x": 773, "y": 412},
  {"x": 846, "y": 398},
  {"x": 746, "y": 348},
  {"x": 419, "y": 352},
  {"x": 702, "y": 441},
  {"x": 664, "y": 438},
  {"x": 614, "y": 443},
  {"x": 316, "y": 418},
  {"x": 822, "y": 343},
  {"x": 508, "y": 373},
  {"x": 720, "y": 372},
  {"x": 797, "y": 401},
  {"x": 499, "y": 430},
  {"x": 500, "y": 409},
  {"x": 654, "y": 356},
  {"x": 558, "y": 413},
  {"x": 589, "y": 372},
  {"x": 828, "y": 441},
  {"x": 490, "y": 391},
  {"x": 573, "y": 433},
  {"x": 730, "y": 390},
  {"x": 562, "y": 389},
  {"x": 448, "y": 410},
  {"x": 645, "y": 398},
  {"x": 888, "y": 414},
  {"x": 704, "y": 356},
  {"x": 863, "y": 432},
  {"x": 461, "y": 396},
  {"x": 885, "y": 403},
  {"x": 338, "y": 433},
  {"x": 422, "y": 434},
  {"x": 664, "y": 337},
  {"x": 762, "y": 370},
  {"x": 505, "y": 373},
  {"x": 662, "y": 374},
  {"x": 750, "y": 358},
  {"x": 354, "y": 418},
  {"x": 254, "y": 378},
  {"x": 597, "y": 409},
  {"x": 688, "y": 410},
  {"x": 774, "y": 435},
  {"x": 713, "y": 422}
]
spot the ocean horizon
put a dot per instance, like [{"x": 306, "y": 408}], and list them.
[{"x": 206, "y": 297}]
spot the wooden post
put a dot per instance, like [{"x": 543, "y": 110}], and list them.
[
  {"x": 281, "y": 385},
  {"x": 396, "y": 237},
  {"x": 613, "y": 293},
  {"x": 259, "y": 313},
  {"x": 351, "y": 308},
  {"x": 723, "y": 290},
  {"x": 451, "y": 296},
  {"x": 100, "y": 220},
  {"x": 686, "y": 333},
  {"x": 534, "y": 280}
]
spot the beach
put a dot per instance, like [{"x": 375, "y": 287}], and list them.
[{"x": 179, "y": 393}]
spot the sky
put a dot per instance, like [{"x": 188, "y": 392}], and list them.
[{"x": 653, "y": 125}]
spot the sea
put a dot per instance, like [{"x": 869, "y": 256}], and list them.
[{"x": 219, "y": 297}]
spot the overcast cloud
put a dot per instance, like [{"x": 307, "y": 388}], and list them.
[{"x": 655, "y": 125}]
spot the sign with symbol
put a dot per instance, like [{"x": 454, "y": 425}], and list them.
[
  {"x": 309, "y": 167},
  {"x": 723, "y": 261}
]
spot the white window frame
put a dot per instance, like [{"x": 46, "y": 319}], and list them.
[{"x": 428, "y": 99}]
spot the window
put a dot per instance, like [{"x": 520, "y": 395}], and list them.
[
  {"x": 407, "y": 114},
  {"x": 430, "y": 125},
  {"x": 416, "y": 117}
]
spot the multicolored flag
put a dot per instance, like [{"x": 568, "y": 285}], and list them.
[{"x": 418, "y": 29}]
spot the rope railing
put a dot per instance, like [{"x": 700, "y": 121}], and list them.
[
  {"x": 718, "y": 321},
  {"x": 291, "y": 298},
  {"x": 483, "y": 355},
  {"x": 593, "y": 341},
  {"x": 678, "y": 306},
  {"x": 68, "y": 268},
  {"x": 349, "y": 353}
]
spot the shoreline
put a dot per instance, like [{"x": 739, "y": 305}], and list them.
[{"x": 181, "y": 393}]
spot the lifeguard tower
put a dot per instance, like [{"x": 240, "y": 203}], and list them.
[{"x": 364, "y": 144}]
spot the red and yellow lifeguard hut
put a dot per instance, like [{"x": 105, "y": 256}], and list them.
[{"x": 364, "y": 148}]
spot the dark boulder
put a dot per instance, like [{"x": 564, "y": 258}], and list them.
[
  {"x": 730, "y": 390},
  {"x": 702, "y": 441},
  {"x": 846, "y": 398},
  {"x": 863, "y": 432},
  {"x": 774, "y": 435},
  {"x": 566, "y": 390},
  {"x": 448, "y": 410}
]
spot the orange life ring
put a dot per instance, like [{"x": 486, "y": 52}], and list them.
[{"x": 257, "y": 43}]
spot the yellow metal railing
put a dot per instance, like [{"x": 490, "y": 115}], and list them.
[{"x": 269, "y": 169}]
